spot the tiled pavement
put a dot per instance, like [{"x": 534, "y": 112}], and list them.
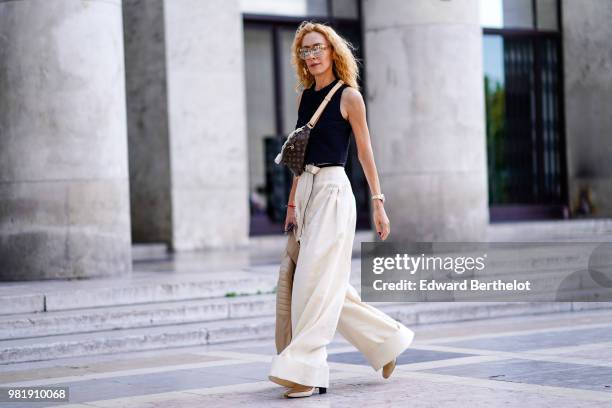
[{"x": 561, "y": 360}]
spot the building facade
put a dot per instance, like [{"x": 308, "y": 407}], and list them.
[{"x": 157, "y": 120}]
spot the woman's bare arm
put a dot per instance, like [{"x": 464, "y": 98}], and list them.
[
  {"x": 356, "y": 111},
  {"x": 292, "y": 192}
]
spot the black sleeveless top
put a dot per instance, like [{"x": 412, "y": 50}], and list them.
[{"x": 329, "y": 139}]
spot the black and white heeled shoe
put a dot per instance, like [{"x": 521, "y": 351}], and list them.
[{"x": 300, "y": 392}]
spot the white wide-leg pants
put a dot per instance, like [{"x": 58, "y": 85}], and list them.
[{"x": 323, "y": 300}]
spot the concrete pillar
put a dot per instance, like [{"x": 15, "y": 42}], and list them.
[
  {"x": 149, "y": 150},
  {"x": 207, "y": 124},
  {"x": 64, "y": 197},
  {"x": 587, "y": 62},
  {"x": 425, "y": 102}
]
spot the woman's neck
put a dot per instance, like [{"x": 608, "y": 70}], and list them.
[{"x": 324, "y": 80}]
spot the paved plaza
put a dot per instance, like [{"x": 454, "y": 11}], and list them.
[{"x": 558, "y": 359}]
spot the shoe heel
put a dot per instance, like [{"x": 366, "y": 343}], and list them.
[{"x": 322, "y": 390}]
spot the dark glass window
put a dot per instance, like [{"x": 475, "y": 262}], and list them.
[{"x": 524, "y": 115}]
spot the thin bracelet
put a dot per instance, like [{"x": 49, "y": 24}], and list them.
[{"x": 290, "y": 205}]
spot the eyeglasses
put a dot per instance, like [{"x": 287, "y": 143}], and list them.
[{"x": 315, "y": 51}]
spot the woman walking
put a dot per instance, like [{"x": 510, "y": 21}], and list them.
[{"x": 322, "y": 207}]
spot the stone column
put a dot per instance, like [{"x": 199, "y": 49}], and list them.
[
  {"x": 425, "y": 101},
  {"x": 587, "y": 53},
  {"x": 207, "y": 124},
  {"x": 64, "y": 197}
]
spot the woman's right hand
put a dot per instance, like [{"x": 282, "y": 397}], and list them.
[{"x": 290, "y": 218}]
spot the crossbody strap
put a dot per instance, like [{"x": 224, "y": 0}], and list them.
[{"x": 323, "y": 104}]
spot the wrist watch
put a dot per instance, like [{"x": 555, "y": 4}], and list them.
[{"x": 380, "y": 197}]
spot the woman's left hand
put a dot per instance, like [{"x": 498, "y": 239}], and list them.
[{"x": 381, "y": 221}]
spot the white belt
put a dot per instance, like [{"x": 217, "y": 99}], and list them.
[{"x": 312, "y": 169}]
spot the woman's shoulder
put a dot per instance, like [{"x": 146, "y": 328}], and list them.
[
  {"x": 351, "y": 101},
  {"x": 351, "y": 94}
]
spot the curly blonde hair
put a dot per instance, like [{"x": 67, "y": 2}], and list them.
[{"x": 344, "y": 62}]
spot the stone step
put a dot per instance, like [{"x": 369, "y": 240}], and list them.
[
  {"x": 240, "y": 329},
  {"x": 29, "y": 297},
  {"x": 137, "y": 339},
  {"x": 135, "y": 316}
]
